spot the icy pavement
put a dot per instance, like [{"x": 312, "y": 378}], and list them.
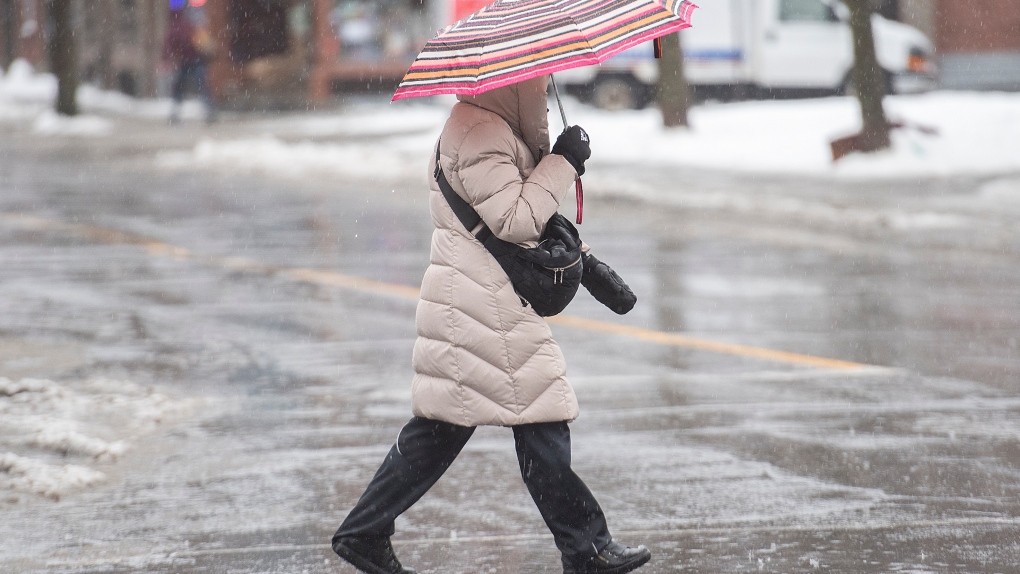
[{"x": 202, "y": 369}]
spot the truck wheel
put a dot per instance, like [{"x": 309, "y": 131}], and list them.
[{"x": 618, "y": 93}]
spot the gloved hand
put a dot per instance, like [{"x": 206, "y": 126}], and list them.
[
  {"x": 573, "y": 145},
  {"x": 606, "y": 286}
]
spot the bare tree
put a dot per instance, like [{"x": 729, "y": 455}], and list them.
[
  {"x": 7, "y": 14},
  {"x": 869, "y": 79},
  {"x": 674, "y": 94},
  {"x": 107, "y": 41},
  {"x": 64, "y": 56}
]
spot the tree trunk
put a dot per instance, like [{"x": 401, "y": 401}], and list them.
[
  {"x": 674, "y": 94},
  {"x": 107, "y": 41},
  {"x": 150, "y": 48},
  {"x": 869, "y": 78},
  {"x": 64, "y": 56},
  {"x": 7, "y": 14}
]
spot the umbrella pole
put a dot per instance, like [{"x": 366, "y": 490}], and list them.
[
  {"x": 578, "y": 190},
  {"x": 556, "y": 93}
]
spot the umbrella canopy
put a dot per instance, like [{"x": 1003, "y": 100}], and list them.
[{"x": 510, "y": 41}]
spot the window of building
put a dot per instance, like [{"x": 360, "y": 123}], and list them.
[
  {"x": 380, "y": 30},
  {"x": 258, "y": 28}
]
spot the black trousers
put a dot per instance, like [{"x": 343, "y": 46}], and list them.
[{"x": 425, "y": 448}]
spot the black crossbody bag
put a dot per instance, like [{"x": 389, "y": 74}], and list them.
[{"x": 546, "y": 276}]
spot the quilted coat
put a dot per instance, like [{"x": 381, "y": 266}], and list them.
[{"x": 482, "y": 356}]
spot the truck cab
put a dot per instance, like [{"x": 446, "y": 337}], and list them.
[{"x": 746, "y": 47}]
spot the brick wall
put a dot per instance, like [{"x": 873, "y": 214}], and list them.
[
  {"x": 979, "y": 44},
  {"x": 977, "y": 26}
]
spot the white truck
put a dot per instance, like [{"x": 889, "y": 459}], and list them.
[{"x": 743, "y": 48}]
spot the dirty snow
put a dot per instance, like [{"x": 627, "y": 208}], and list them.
[
  {"x": 49, "y": 122},
  {"x": 27, "y": 97},
  {"x": 977, "y": 134},
  {"x": 397, "y": 157},
  {"x": 56, "y": 437}
]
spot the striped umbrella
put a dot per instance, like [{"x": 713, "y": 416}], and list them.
[{"x": 510, "y": 41}]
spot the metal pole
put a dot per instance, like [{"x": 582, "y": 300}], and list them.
[{"x": 556, "y": 93}]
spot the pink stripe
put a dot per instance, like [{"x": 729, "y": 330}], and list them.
[
  {"x": 461, "y": 34},
  {"x": 586, "y": 37},
  {"x": 582, "y": 58},
  {"x": 500, "y": 80}
]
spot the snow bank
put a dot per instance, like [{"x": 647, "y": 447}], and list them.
[
  {"x": 978, "y": 134},
  {"x": 272, "y": 155},
  {"x": 22, "y": 84},
  {"x": 388, "y": 157},
  {"x": 26, "y": 475},
  {"x": 43, "y": 424},
  {"x": 50, "y": 123},
  {"x": 27, "y": 97}
]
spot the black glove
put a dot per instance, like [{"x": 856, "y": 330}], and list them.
[
  {"x": 573, "y": 145},
  {"x": 606, "y": 286}
]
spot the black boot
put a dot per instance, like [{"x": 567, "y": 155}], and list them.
[
  {"x": 615, "y": 558},
  {"x": 371, "y": 554}
]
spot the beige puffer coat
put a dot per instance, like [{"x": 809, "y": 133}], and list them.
[{"x": 482, "y": 357}]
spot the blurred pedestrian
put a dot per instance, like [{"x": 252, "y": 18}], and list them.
[
  {"x": 484, "y": 357},
  {"x": 188, "y": 47}
]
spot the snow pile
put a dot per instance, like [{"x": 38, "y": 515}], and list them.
[
  {"x": 978, "y": 133},
  {"x": 26, "y": 96},
  {"x": 26, "y": 475},
  {"x": 389, "y": 145},
  {"x": 94, "y": 99},
  {"x": 23, "y": 94},
  {"x": 43, "y": 424},
  {"x": 365, "y": 120},
  {"x": 386, "y": 159},
  {"x": 51, "y": 123},
  {"x": 22, "y": 84}
]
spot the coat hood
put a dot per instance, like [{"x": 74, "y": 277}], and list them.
[{"x": 524, "y": 106}]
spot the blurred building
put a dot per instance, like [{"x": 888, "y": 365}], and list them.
[
  {"x": 118, "y": 40},
  {"x": 270, "y": 52},
  {"x": 978, "y": 42},
  {"x": 275, "y": 53},
  {"x": 21, "y": 31}
]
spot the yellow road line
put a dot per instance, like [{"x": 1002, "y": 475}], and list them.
[
  {"x": 334, "y": 279},
  {"x": 677, "y": 340}
]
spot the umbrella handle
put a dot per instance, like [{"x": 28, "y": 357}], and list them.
[{"x": 580, "y": 199}]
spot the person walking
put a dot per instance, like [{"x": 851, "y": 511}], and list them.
[
  {"x": 188, "y": 47},
  {"x": 483, "y": 356}
]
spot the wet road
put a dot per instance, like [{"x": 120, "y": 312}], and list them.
[{"x": 788, "y": 396}]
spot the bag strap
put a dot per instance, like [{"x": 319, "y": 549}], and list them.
[{"x": 462, "y": 209}]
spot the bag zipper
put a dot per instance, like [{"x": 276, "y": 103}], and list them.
[{"x": 558, "y": 272}]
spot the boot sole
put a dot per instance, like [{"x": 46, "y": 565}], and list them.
[
  {"x": 358, "y": 561},
  {"x": 621, "y": 569}
]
